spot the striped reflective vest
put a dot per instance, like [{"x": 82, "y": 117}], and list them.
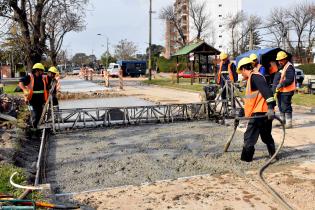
[
  {"x": 30, "y": 88},
  {"x": 292, "y": 86},
  {"x": 254, "y": 101},
  {"x": 229, "y": 71}
]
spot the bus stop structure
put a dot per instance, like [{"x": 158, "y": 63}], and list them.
[{"x": 200, "y": 50}]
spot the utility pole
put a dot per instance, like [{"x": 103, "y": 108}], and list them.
[
  {"x": 107, "y": 53},
  {"x": 150, "y": 40}
]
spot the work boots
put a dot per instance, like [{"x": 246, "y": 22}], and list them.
[
  {"x": 271, "y": 149},
  {"x": 288, "y": 120},
  {"x": 247, "y": 154}
]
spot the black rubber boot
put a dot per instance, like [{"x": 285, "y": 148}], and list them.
[
  {"x": 271, "y": 149},
  {"x": 247, "y": 154}
]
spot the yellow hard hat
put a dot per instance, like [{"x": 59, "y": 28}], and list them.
[
  {"x": 243, "y": 62},
  {"x": 223, "y": 56},
  {"x": 281, "y": 55},
  {"x": 39, "y": 66},
  {"x": 253, "y": 57},
  {"x": 53, "y": 70}
]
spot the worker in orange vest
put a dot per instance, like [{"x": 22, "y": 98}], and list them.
[
  {"x": 34, "y": 87},
  {"x": 227, "y": 71},
  {"x": 259, "y": 101},
  {"x": 284, "y": 85}
]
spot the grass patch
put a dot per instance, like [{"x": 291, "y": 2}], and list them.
[
  {"x": 183, "y": 84},
  {"x": 6, "y": 170},
  {"x": 304, "y": 100},
  {"x": 9, "y": 89},
  {"x": 308, "y": 68}
]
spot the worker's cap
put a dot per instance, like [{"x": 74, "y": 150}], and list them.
[
  {"x": 244, "y": 62},
  {"x": 38, "y": 66},
  {"x": 53, "y": 70},
  {"x": 281, "y": 55},
  {"x": 253, "y": 57},
  {"x": 223, "y": 56}
]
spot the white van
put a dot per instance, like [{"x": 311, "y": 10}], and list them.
[{"x": 113, "y": 69}]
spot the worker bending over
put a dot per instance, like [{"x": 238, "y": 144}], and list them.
[
  {"x": 259, "y": 100},
  {"x": 226, "y": 71},
  {"x": 284, "y": 85},
  {"x": 34, "y": 87}
]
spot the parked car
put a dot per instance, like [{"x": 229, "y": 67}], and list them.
[
  {"x": 299, "y": 75},
  {"x": 113, "y": 69},
  {"x": 187, "y": 74},
  {"x": 76, "y": 70}
]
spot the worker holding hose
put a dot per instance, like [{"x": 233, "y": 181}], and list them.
[
  {"x": 259, "y": 101},
  {"x": 53, "y": 76}
]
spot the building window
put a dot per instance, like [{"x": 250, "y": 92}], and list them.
[
  {"x": 220, "y": 26},
  {"x": 220, "y": 36},
  {"x": 220, "y": 46},
  {"x": 220, "y": 5},
  {"x": 220, "y": 15}
]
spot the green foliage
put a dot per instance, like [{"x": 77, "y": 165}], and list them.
[
  {"x": 9, "y": 89},
  {"x": 6, "y": 170},
  {"x": 308, "y": 68},
  {"x": 169, "y": 65},
  {"x": 110, "y": 58}
]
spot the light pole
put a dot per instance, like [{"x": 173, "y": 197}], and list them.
[
  {"x": 107, "y": 51},
  {"x": 150, "y": 41}
]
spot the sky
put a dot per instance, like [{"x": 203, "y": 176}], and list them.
[{"x": 129, "y": 19}]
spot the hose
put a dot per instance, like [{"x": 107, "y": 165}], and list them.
[{"x": 262, "y": 169}]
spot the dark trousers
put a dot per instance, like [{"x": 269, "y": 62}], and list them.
[
  {"x": 37, "y": 102},
  {"x": 285, "y": 102},
  {"x": 257, "y": 127}
]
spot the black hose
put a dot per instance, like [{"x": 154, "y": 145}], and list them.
[{"x": 262, "y": 169}]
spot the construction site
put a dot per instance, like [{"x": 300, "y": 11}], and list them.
[{"x": 148, "y": 147}]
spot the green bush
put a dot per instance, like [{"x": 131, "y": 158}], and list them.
[
  {"x": 6, "y": 170},
  {"x": 308, "y": 68},
  {"x": 169, "y": 65}
]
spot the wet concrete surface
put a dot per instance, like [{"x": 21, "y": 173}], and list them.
[
  {"x": 104, "y": 102},
  {"x": 102, "y": 158},
  {"x": 79, "y": 85}
]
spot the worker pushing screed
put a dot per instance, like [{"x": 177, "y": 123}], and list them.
[{"x": 259, "y": 101}]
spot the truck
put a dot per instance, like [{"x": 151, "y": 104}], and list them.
[{"x": 133, "y": 68}]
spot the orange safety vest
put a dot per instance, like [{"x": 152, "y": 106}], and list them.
[
  {"x": 30, "y": 87},
  {"x": 292, "y": 86},
  {"x": 254, "y": 101},
  {"x": 273, "y": 68},
  {"x": 220, "y": 72}
]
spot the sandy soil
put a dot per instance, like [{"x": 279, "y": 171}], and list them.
[{"x": 295, "y": 180}]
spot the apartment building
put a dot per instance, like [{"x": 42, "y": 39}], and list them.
[
  {"x": 218, "y": 11},
  {"x": 173, "y": 39}
]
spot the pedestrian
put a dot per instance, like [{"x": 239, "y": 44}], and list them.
[
  {"x": 226, "y": 71},
  {"x": 259, "y": 101},
  {"x": 257, "y": 66},
  {"x": 284, "y": 86},
  {"x": 34, "y": 86},
  {"x": 53, "y": 76}
]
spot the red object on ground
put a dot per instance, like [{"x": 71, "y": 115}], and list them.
[{"x": 187, "y": 74}]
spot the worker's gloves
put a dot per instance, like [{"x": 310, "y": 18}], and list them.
[
  {"x": 241, "y": 113},
  {"x": 270, "y": 114},
  {"x": 278, "y": 87}
]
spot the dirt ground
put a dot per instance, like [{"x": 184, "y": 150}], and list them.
[{"x": 294, "y": 181}]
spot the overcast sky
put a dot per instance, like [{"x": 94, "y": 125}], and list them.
[{"x": 128, "y": 19}]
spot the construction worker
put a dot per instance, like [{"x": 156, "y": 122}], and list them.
[
  {"x": 259, "y": 101},
  {"x": 284, "y": 87},
  {"x": 34, "y": 87},
  {"x": 226, "y": 71},
  {"x": 257, "y": 66},
  {"x": 53, "y": 75}
]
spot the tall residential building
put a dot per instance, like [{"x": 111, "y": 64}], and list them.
[
  {"x": 172, "y": 37},
  {"x": 219, "y": 34}
]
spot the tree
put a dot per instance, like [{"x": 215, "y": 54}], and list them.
[
  {"x": 79, "y": 59},
  {"x": 251, "y": 26},
  {"x": 31, "y": 18},
  {"x": 200, "y": 18},
  {"x": 155, "y": 49},
  {"x": 167, "y": 13},
  {"x": 106, "y": 59},
  {"x": 232, "y": 23},
  {"x": 125, "y": 50},
  {"x": 60, "y": 20}
]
